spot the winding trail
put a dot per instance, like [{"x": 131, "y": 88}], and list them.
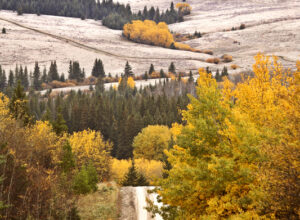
[{"x": 94, "y": 49}]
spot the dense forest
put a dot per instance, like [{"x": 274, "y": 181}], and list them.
[
  {"x": 114, "y": 15},
  {"x": 228, "y": 150}
]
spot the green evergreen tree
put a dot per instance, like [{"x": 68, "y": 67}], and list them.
[
  {"x": 217, "y": 76},
  {"x": 224, "y": 72},
  {"x": 133, "y": 178},
  {"x": 191, "y": 78},
  {"x": 36, "y": 77},
  {"x": 98, "y": 69},
  {"x": 128, "y": 70},
  {"x": 4, "y": 30},
  {"x": 11, "y": 79},
  {"x": 162, "y": 73},
  {"x": 53, "y": 73},
  {"x": 151, "y": 69},
  {"x": 18, "y": 105},
  {"x": 67, "y": 161},
  {"x": 172, "y": 68},
  {"x": 59, "y": 125},
  {"x": 62, "y": 78}
]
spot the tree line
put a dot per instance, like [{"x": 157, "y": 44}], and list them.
[{"x": 114, "y": 15}]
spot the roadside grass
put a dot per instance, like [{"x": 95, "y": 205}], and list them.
[{"x": 100, "y": 205}]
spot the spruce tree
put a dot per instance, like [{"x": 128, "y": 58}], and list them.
[
  {"x": 98, "y": 69},
  {"x": 26, "y": 79},
  {"x": 59, "y": 125},
  {"x": 11, "y": 79},
  {"x": 172, "y": 68},
  {"x": 36, "y": 77},
  {"x": 134, "y": 178},
  {"x": 224, "y": 72},
  {"x": 62, "y": 78},
  {"x": 151, "y": 69},
  {"x": 53, "y": 73},
  {"x": 4, "y": 30},
  {"x": 18, "y": 105},
  {"x": 68, "y": 159},
  {"x": 128, "y": 70},
  {"x": 217, "y": 76},
  {"x": 191, "y": 78},
  {"x": 162, "y": 73}
]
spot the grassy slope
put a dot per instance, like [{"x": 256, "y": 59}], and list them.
[{"x": 101, "y": 205}]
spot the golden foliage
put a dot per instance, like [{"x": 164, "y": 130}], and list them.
[
  {"x": 213, "y": 60},
  {"x": 184, "y": 8},
  {"x": 88, "y": 146},
  {"x": 149, "y": 32},
  {"x": 130, "y": 82},
  {"x": 151, "y": 142},
  {"x": 151, "y": 169},
  {"x": 234, "y": 66}
]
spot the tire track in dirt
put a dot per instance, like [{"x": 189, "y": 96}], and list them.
[{"x": 93, "y": 49}]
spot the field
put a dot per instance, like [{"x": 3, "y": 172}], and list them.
[{"x": 272, "y": 27}]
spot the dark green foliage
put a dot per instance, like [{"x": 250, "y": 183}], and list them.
[
  {"x": 75, "y": 72},
  {"x": 85, "y": 181},
  {"x": 162, "y": 74},
  {"x": 191, "y": 78},
  {"x": 36, "y": 77},
  {"x": 67, "y": 161},
  {"x": 113, "y": 15},
  {"x": 172, "y": 68},
  {"x": 118, "y": 115},
  {"x": 18, "y": 105},
  {"x": 218, "y": 77},
  {"x": 128, "y": 70},
  {"x": 59, "y": 125},
  {"x": 53, "y": 73},
  {"x": 224, "y": 72},
  {"x": 4, "y": 30},
  {"x": 151, "y": 69},
  {"x": 134, "y": 178},
  {"x": 98, "y": 69},
  {"x": 3, "y": 80}
]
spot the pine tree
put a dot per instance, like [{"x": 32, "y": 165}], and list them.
[
  {"x": 128, "y": 70},
  {"x": 45, "y": 77},
  {"x": 172, "y": 68},
  {"x": 67, "y": 161},
  {"x": 151, "y": 69},
  {"x": 3, "y": 80},
  {"x": 162, "y": 73},
  {"x": 62, "y": 78},
  {"x": 53, "y": 73},
  {"x": 26, "y": 79},
  {"x": 224, "y": 72},
  {"x": 191, "y": 78},
  {"x": 59, "y": 125},
  {"x": 98, "y": 69},
  {"x": 4, "y": 30},
  {"x": 71, "y": 74},
  {"x": 36, "y": 77},
  {"x": 11, "y": 79},
  {"x": 18, "y": 105},
  {"x": 133, "y": 178},
  {"x": 217, "y": 76}
]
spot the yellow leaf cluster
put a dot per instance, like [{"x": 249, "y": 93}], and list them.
[
  {"x": 184, "y": 8},
  {"x": 88, "y": 145},
  {"x": 151, "y": 169},
  {"x": 130, "y": 82},
  {"x": 149, "y": 32}
]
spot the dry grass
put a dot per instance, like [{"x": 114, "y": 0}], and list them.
[{"x": 100, "y": 205}]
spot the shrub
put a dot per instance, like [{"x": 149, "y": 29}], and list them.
[
  {"x": 4, "y": 30},
  {"x": 149, "y": 32},
  {"x": 242, "y": 27},
  {"x": 213, "y": 60},
  {"x": 226, "y": 58},
  {"x": 234, "y": 66},
  {"x": 184, "y": 8},
  {"x": 210, "y": 52}
]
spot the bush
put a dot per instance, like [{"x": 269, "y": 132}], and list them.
[
  {"x": 3, "y": 30},
  {"x": 234, "y": 66},
  {"x": 184, "y": 8},
  {"x": 227, "y": 58},
  {"x": 213, "y": 60},
  {"x": 242, "y": 27}
]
